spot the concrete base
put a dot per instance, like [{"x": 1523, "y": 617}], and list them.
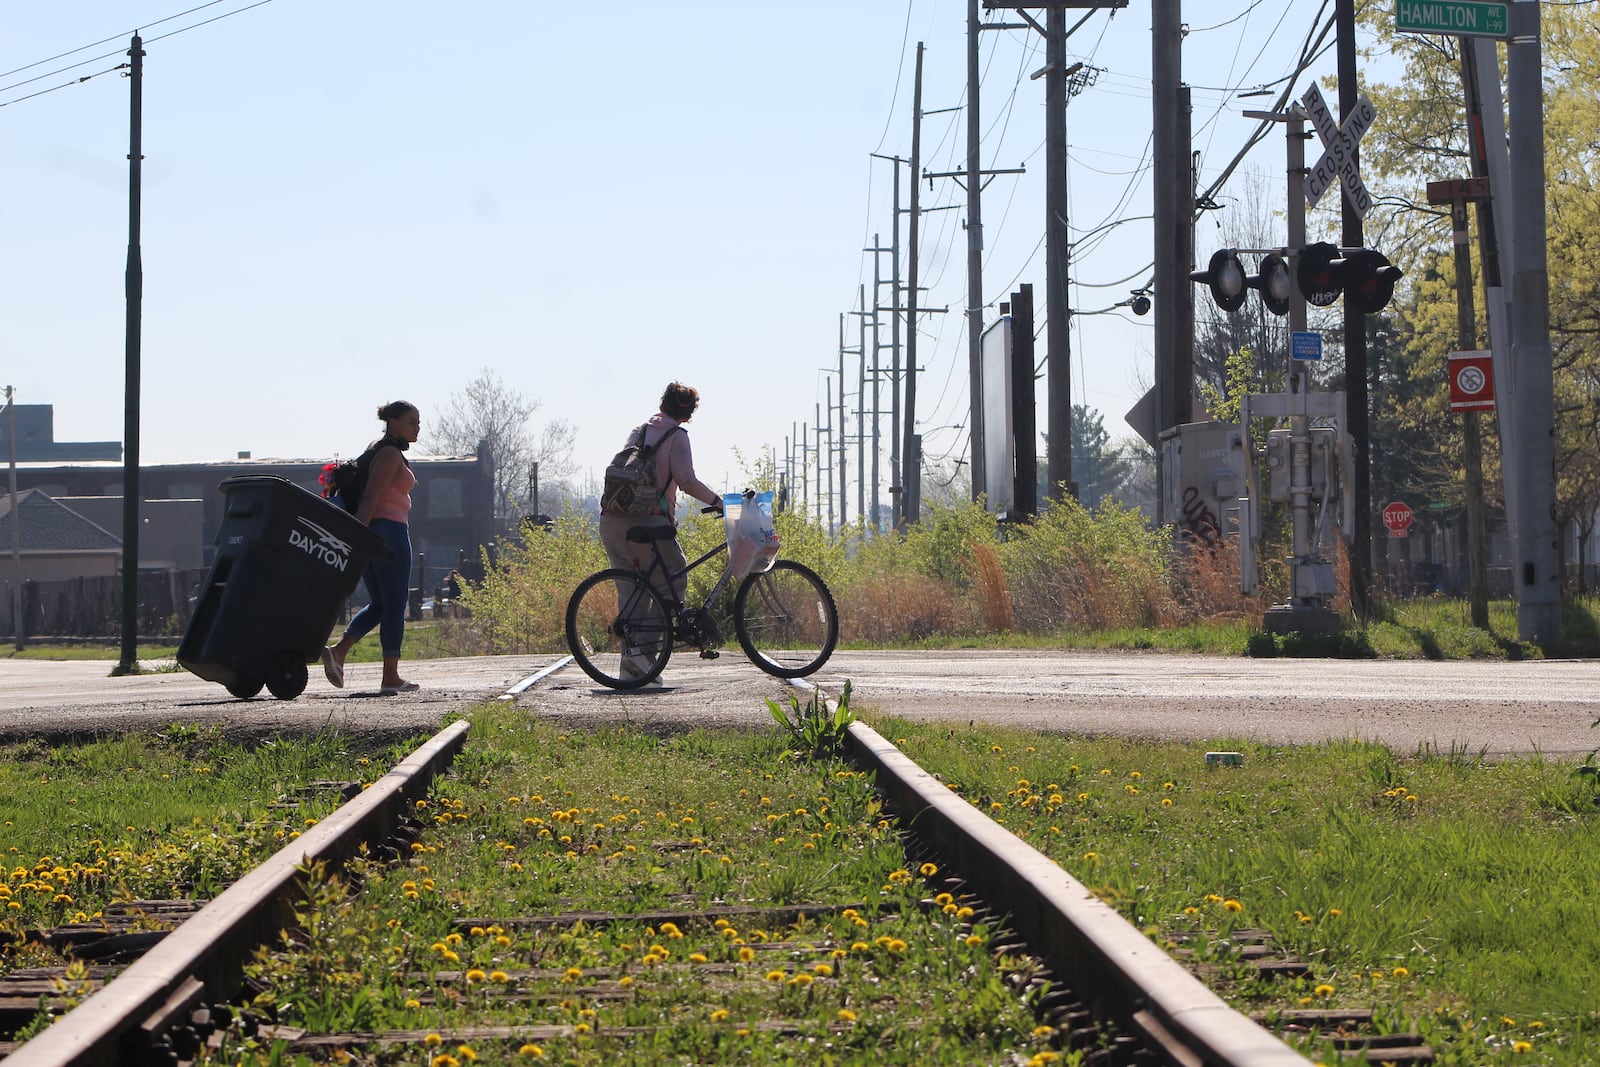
[{"x": 1290, "y": 618}]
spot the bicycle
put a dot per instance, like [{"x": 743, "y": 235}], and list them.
[{"x": 622, "y": 629}]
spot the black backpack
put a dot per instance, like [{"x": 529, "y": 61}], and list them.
[
  {"x": 630, "y": 486},
  {"x": 343, "y": 482}
]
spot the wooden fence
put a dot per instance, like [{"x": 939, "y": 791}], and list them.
[{"x": 92, "y": 607}]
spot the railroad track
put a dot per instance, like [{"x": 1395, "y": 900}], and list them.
[{"x": 1102, "y": 986}]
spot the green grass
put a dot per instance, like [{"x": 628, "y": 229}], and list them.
[
  {"x": 174, "y": 813},
  {"x": 1450, "y": 895}
]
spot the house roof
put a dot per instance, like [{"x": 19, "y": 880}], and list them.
[{"x": 50, "y": 526}]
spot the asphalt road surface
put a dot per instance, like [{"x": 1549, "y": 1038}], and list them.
[{"x": 1495, "y": 707}]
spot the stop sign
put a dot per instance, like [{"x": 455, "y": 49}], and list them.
[{"x": 1397, "y": 518}]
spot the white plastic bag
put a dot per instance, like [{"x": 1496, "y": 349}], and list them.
[{"x": 752, "y": 538}]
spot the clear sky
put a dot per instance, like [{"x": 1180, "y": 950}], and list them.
[{"x": 347, "y": 202}]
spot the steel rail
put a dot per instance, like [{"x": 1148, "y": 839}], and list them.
[
  {"x": 208, "y": 952},
  {"x": 1103, "y": 958}
]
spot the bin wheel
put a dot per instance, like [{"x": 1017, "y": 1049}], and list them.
[
  {"x": 244, "y": 690},
  {"x": 286, "y": 676}
]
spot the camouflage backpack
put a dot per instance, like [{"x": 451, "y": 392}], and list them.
[{"x": 630, "y": 486}]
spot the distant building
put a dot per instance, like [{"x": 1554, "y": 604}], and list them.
[
  {"x": 452, "y": 506},
  {"x": 36, "y": 439},
  {"x": 54, "y": 541}
]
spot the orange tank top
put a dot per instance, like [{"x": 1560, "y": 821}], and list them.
[{"x": 395, "y": 502}]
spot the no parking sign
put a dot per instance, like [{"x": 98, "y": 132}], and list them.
[{"x": 1471, "y": 381}]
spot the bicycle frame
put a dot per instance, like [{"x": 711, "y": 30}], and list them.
[{"x": 658, "y": 564}]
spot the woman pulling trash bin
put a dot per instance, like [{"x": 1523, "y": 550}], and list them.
[{"x": 385, "y": 506}]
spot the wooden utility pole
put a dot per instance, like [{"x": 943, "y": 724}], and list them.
[{"x": 1458, "y": 194}]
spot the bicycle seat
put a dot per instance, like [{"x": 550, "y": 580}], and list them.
[{"x": 645, "y": 534}]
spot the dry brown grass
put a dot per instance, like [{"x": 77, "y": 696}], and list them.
[
  {"x": 887, "y": 608},
  {"x": 994, "y": 593}
]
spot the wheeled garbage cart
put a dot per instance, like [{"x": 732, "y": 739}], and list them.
[{"x": 287, "y": 560}]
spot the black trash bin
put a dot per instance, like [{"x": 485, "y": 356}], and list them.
[{"x": 286, "y": 562}]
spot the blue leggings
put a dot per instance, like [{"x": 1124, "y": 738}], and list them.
[{"x": 388, "y": 585}]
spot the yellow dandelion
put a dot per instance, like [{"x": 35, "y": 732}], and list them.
[
  {"x": 698, "y": 957},
  {"x": 475, "y": 975},
  {"x": 1043, "y": 1031},
  {"x": 896, "y": 945},
  {"x": 1166, "y": 802},
  {"x": 572, "y": 974},
  {"x": 531, "y": 1051},
  {"x": 582, "y": 1028},
  {"x": 433, "y": 1040},
  {"x": 746, "y": 954},
  {"x": 775, "y": 976},
  {"x": 1522, "y": 1046},
  {"x": 1506, "y": 1020},
  {"x": 928, "y": 870},
  {"x": 625, "y": 981},
  {"x": 822, "y": 970},
  {"x": 444, "y": 1059},
  {"x": 499, "y": 977},
  {"x": 974, "y": 941},
  {"x": 845, "y": 1015},
  {"x": 1324, "y": 990},
  {"x": 413, "y": 1003},
  {"x": 1401, "y": 972},
  {"x": 860, "y": 946},
  {"x": 801, "y": 979},
  {"x": 1334, "y": 913},
  {"x": 720, "y": 1015},
  {"x": 466, "y": 1052},
  {"x": 1232, "y": 905}
]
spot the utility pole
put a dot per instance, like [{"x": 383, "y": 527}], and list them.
[
  {"x": 844, "y": 454},
  {"x": 1058, "y": 329},
  {"x": 16, "y": 520},
  {"x": 877, "y": 375},
  {"x": 1172, "y": 177},
  {"x": 974, "y": 258},
  {"x": 1537, "y": 576},
  {"x": 1458, "y": 195},
  {"x": 1355, "y": 335},
  {"x": 828, "y": 461},
  {"x": 134, "y": 286},
  {"x": 910, "y": 499},
  {"x": 894, "y": 353},
  {"x": 861, "y": 404}
]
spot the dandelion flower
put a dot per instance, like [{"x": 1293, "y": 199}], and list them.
[
  {"x": 698, "y": 957},
  {"x": 775, "y": 976},
  {"x": 1324, "y": 990},
  {"x": 845, "y": 1015},
  {"x": 625, "y": 981},
  {"x": 720, "y": 1015},
  {"x": 531, "y": 1051},
  {"x": 823, "y": 970},
  {"x": 928, "y": 870},
  {"x": 1522, "y": 1046},
  {"x": 801, "y": 979},
  {"x": 746, "y": 954},
  {"x": 413, "y": 1003},
  {"x": 433, "y": 1040},
  {"x": 1401, "y": 972},
  {"x": 475, "y": 975},
  {"x": 1232, "y": 905}
]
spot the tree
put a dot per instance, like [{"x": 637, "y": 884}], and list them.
[
  {"x": 491, "y": 413},
  {"x": 1100, "y": 467},
  {"x": 1422, "y": 137}
]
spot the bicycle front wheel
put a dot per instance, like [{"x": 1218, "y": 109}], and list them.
[
  {"x": 618, "y": 629},
  {"x": 786, "y": 620}
]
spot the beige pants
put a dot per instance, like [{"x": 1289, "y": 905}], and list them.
[{"x": 634, "y": 556}]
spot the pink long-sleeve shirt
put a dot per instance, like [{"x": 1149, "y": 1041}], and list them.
[{"x": 675, "y": 463}]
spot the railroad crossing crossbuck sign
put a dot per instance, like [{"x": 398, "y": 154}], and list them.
[{"x": 1339, "y": 150}]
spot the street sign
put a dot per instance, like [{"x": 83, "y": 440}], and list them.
[
  {"x": 1305, "y": 344},
  {"x": 1339, "y": 150},
  {"x": 1471, "y": 381},
  {"x": 1397, "y": 518},
  {"x": 1464, "y": 18}
]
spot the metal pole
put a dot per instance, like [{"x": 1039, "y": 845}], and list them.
[
  {"x": 844, "y": 453},
  {"x": 974, "y": 258},
  {"x": 1538, "y": 571},
  {"x": 894, "y": 357},
  {"x": 134, "y": 287},
  {"x": 877, "y": 374}
]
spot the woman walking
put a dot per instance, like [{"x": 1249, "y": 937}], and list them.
[{"x": 385, "y": 507}]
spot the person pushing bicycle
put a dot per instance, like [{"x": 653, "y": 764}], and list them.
[{"x": 674, "y": 469}]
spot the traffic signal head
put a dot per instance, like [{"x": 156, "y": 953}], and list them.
[
  {"x": 1365, "y": 278},
  {"x": 1369, "y": 280},
  {"x": 1272, "y": 279},
  {"x": 1320, "y": 273},
  {"x": 1225, "y": 277}
]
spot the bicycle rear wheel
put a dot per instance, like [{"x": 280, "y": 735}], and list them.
[
  {"x": 786, "y": 620},
  {"x": 618, "y": 629}
]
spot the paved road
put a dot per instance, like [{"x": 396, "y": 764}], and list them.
[{"x": 1495, "y": 707}]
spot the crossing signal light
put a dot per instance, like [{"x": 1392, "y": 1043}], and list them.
[
  {"x": 1225, "y": 277},
  {"x": 1365, "y": 278},
  {"x": 1272, "y": 279},
  {"x": 1369, "y": 280}
]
